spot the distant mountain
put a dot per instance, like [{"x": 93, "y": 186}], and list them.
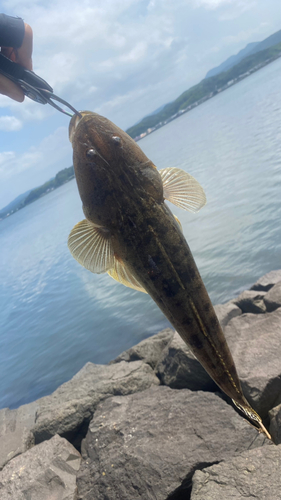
[
  {"x": 15, "y": 203},
  {"x": 157, "y": 110},
  {"x": 232, "y": 60},
  {"x": 268, "y": 42},
  {"x": 250, "y": 49},
  {"x": 204, "y": 90},
  {"x": 151, "y": 114},
  {"x": 32, "y": 195}
]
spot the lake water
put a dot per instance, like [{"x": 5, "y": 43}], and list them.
[{"x": 55, "y": 315}]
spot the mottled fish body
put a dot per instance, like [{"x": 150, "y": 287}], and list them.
[{"x": 131, "y": 233}]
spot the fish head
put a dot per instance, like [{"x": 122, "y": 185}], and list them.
[{"x": 110, "y": 168}]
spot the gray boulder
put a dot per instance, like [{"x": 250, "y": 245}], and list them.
[
  {"x": 46, "y": 472},
  {"x": 254, "y": 340},
  {"x": 254, "y": 474},
  {"x": 178, "y": 368},
  {"x": 251, "y": 301},
  {"x": 267, "y": 281},
  {"x": 69, "y": 409},
  {"x": 15, "y": 431},
  {"x": 225, "y": 312},
  {"x": 272, "y": 299},
  {"x": 74, "y": 402},
  {"x": 147, "y": 445},
  {"x": 275, "y": 424},
  {"x": 148, "y": 350}
]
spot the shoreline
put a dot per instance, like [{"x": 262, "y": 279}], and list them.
[
  {"x": 118, "y": 428},
  {"x": 207, "y": 97}
]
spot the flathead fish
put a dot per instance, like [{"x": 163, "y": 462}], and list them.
[{"x": 130, "y": 233}]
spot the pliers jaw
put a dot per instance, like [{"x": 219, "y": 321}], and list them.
[{"x": 33, "y": 86}]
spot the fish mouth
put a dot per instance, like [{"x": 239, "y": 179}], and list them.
[
  {"x": 72, "y": 126},
  {"x": 75, "y": 120}
]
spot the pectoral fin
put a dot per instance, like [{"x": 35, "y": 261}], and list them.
[
  {"x": 181, "y": 189},
  {"x": 91, "y": 246},
  {"x": 120, "y": 273}
]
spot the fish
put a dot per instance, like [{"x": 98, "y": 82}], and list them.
[{"x": 130, "y": 232}]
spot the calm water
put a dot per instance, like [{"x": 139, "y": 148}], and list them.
[{"x": 55, "y": 316}]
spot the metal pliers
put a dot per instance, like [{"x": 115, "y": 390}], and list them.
[{"x": 32, "y": 85}]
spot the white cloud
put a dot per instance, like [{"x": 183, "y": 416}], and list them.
[
  {"x": 122, "y": 58},
  {"x": 41, "y": 157},
  {"x": 241, "y": 36},
  {"x": 76, "y": 47},
  {"x": 10, "y": 123},
  {"x": 214, "y": 4},
  {"x": 94, "y": 52},
  {"x": 236, "y": 10},
  {"x": 5, "y": 158}
]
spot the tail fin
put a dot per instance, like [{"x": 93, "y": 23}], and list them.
[{"x": 252, "y": 415}]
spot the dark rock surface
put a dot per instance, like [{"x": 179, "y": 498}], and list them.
[
  {"x": 178, "y": 368},
  {"x": 272, "y": 299},
  {"x": 255, "y": 474},
  {"x": 267, "y": 281},
  {"x": 46, "y": 472},
  {"x": 254, "y": 340},
  {"x": 147, "y": 445},
  {"x": 148, "y": 350},
  {"x": 251, "y": 301}
]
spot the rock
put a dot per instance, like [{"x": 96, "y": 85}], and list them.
[
  {"x": 74, "y": 402},
  {"x": 46, "y": 472},
  {"x": 272, "y": 299},
  {"x": 225, "y": 312},
  {"x": 253, "y": 474},
  {"x": 15, "y": 431},
  {"x": 275, "y": 424},
  {"x": 178, "y": 368},
  {"x": 69, "y": 409},
  {"x": 254, "y": 341},
  {"x": 267, "y": 281},
  {"x": 146, "y": 445},
  {"x": 148, "y": 350},
  {"x": 251, "y": 301}
]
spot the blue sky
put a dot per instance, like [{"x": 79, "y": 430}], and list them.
[{"x": 120, "y": 58}]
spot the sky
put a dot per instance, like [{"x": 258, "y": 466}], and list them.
[{"x": 120, "y": 58}]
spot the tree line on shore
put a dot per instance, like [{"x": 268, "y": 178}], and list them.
[
  {"x": 206, "y": 87},
  {"x": 61, "y": 178}
]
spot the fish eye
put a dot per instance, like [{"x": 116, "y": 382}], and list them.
[
  {"x": 91, "y": 152},
  {"x": 116, "y": 139}
]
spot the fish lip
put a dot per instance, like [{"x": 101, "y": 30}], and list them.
[{"x": 74, "y": 122}]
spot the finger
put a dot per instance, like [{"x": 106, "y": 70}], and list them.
[
  {"x": 24, "y": 53},
  {"x": 10, "y": 89},
  {"x": 9, "y": 52}
]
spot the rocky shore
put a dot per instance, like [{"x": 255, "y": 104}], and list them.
[{"x": 152, "y": 424}]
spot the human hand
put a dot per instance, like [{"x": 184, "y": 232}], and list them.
[{"x": 21, "y": 56}]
